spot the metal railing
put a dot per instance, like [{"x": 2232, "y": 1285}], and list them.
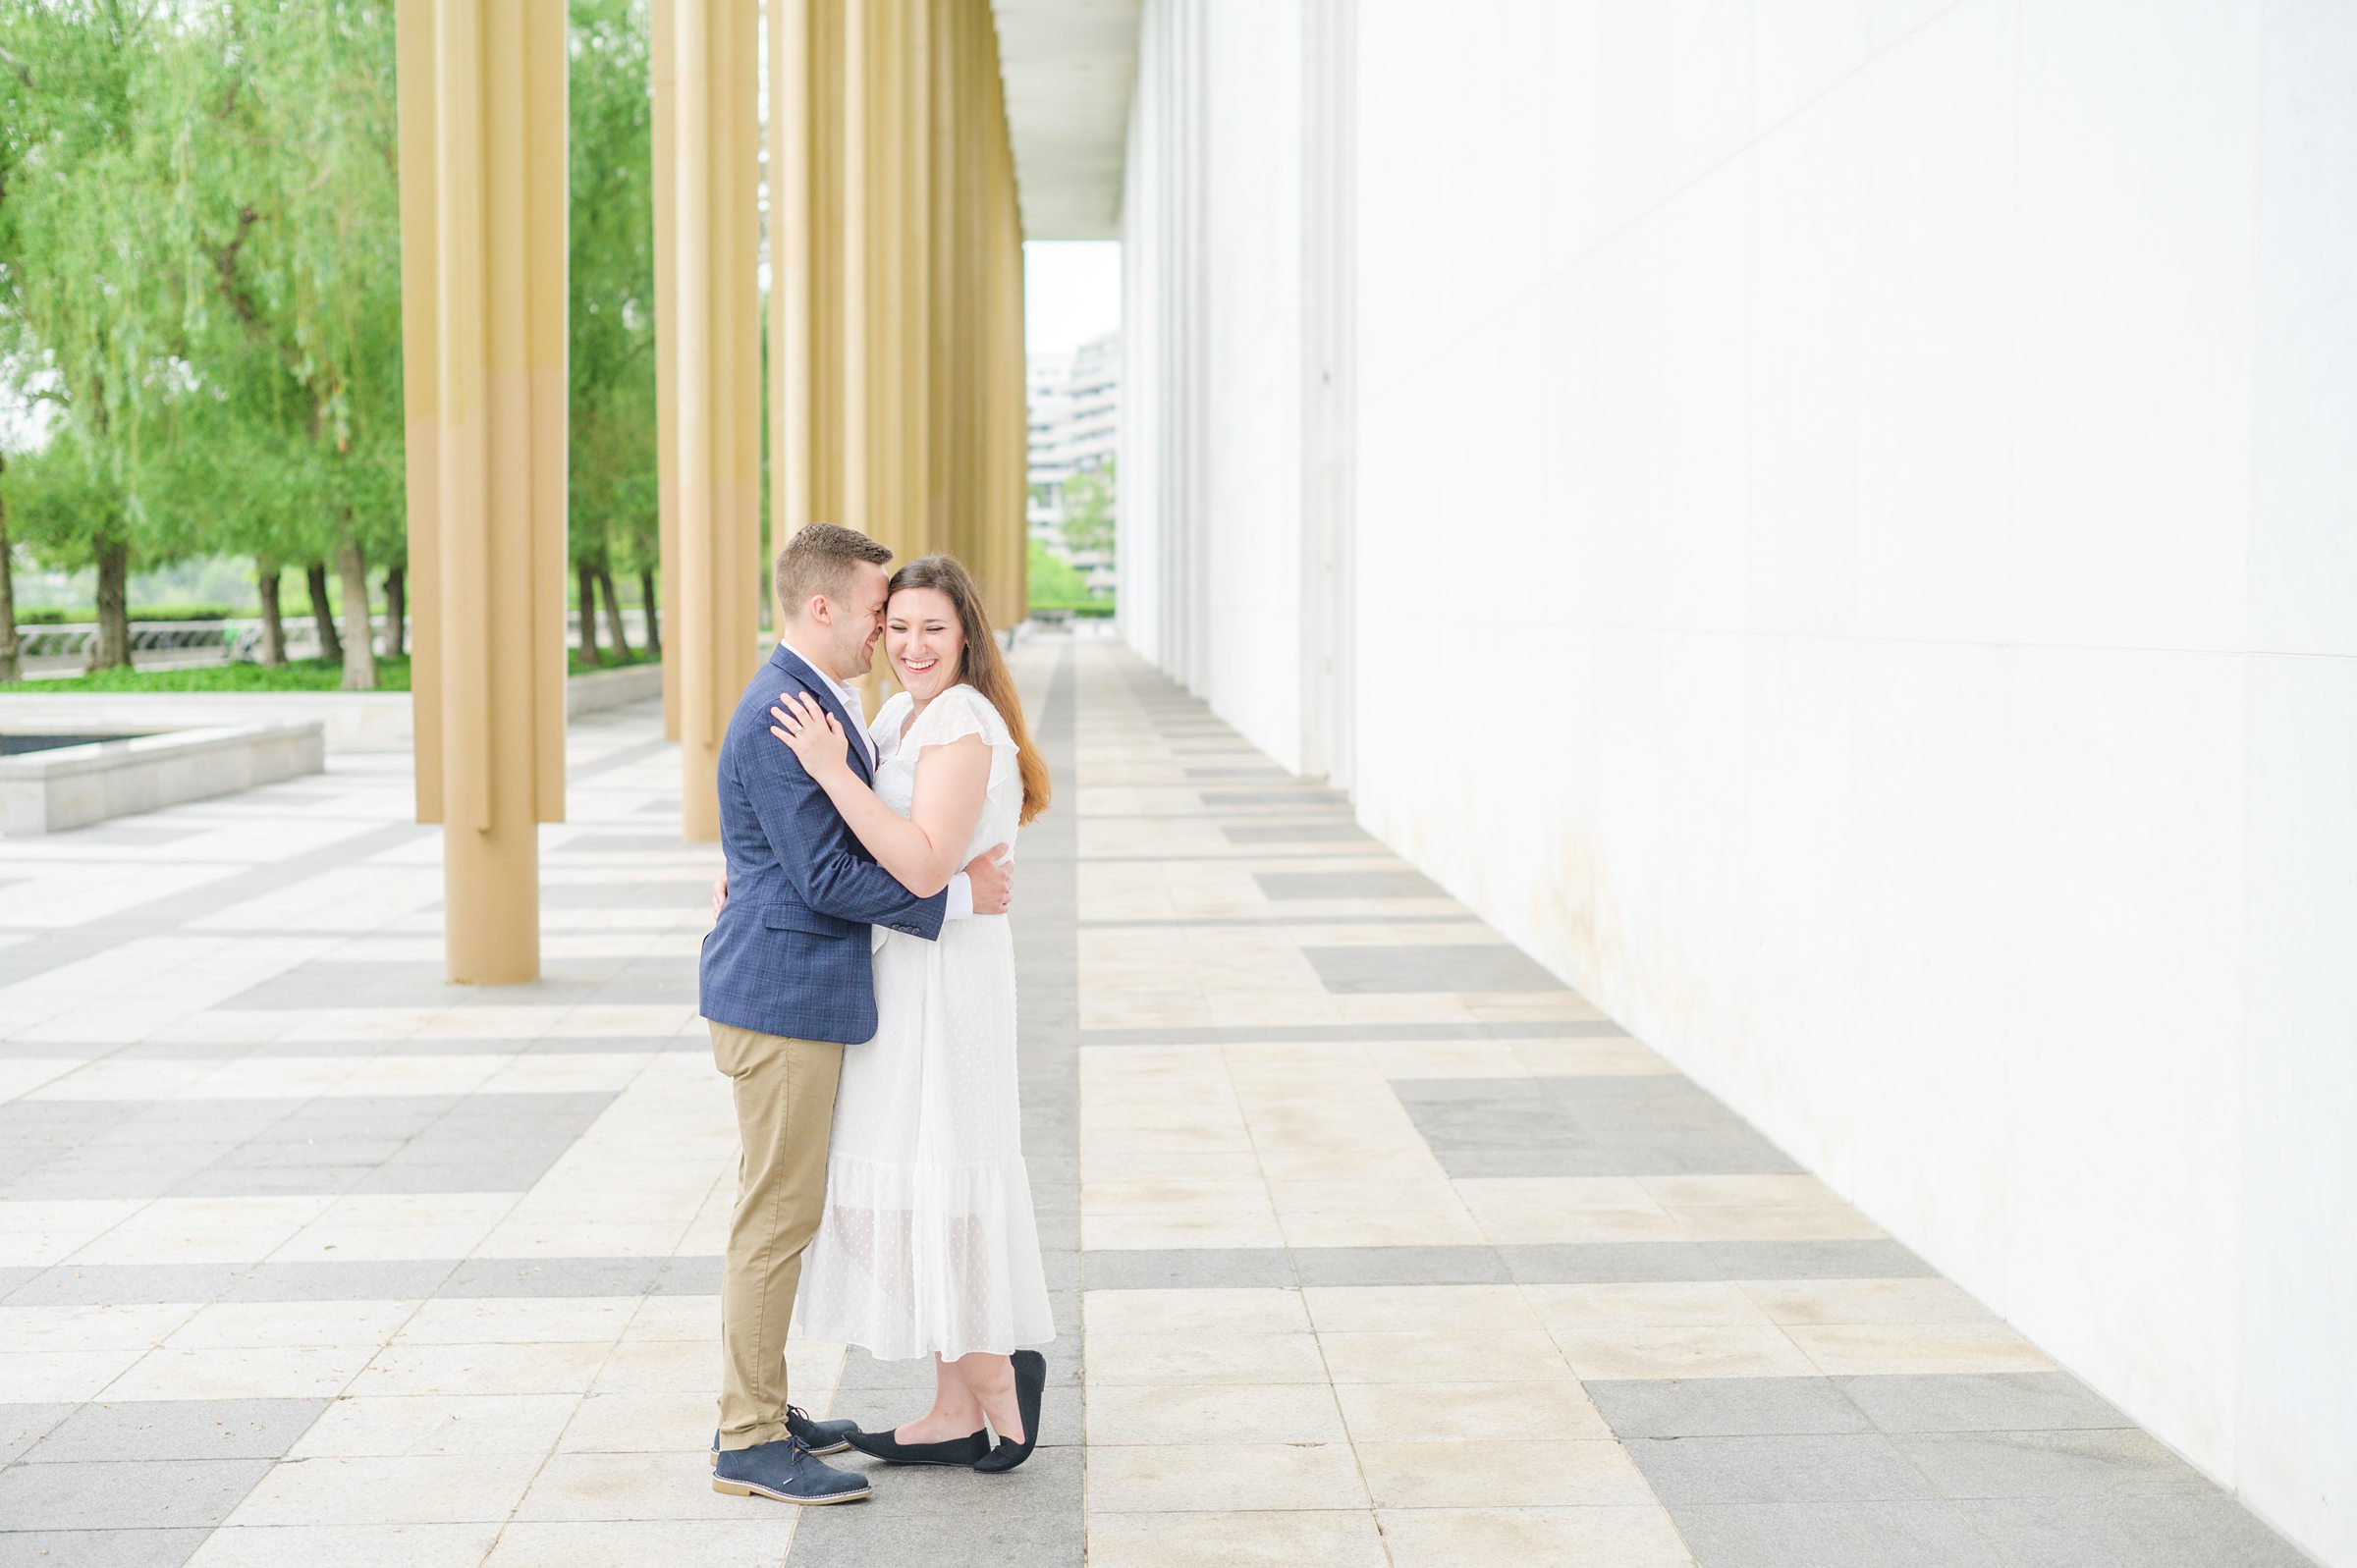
[{"x": 233, "y": 640}]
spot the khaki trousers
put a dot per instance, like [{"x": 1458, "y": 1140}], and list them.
[{"x": 785, "y": 1109}]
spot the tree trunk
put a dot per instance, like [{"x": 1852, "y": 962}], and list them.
[
  {"x": 274, "y": 620},
  {"x": 397, "y": 612},
  {"x": 587, "y": 575},
  {"x": 360, "y": 642},
  {"x": 647, "y": 602},
  {"x": 112, "y": 650},
  {"x": 8, "y": 669},
  {"x": 331, "y": 646},
  {"x": 613, "y": 625}
]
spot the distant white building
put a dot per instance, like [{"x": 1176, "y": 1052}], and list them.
[{"x": 1076, "y": 403}]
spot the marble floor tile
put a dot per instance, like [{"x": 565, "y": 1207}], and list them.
[
  {"x": 428, "y": 1425},
  {"x": 1429, "y": 1412},
  {"x": 347, "y": 1545},
  {"x": 1225, "y": 1478},
  {"x": 1852, "y": 1350},
  {"x": 409, "y": 1489},
  {"x": 1626, "y": 1536},
  {"x": 1129, "y": 1415},
  {"x": 1337, "y": 1539},
  {"x": 739, "y": 1543},
  {"x": 1475, "y": 1472}
]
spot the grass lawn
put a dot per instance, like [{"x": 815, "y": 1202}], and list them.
[{"x": 298, "y": 674}]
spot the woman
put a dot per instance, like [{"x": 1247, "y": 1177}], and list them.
[{"x": 928, "y": 1246}]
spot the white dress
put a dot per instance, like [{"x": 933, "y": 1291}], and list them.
[{"x": 929, "y": 1243}]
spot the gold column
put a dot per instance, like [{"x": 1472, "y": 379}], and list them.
[
  {"x": 896, "y": 314},
  {"x": 481, "y": 105},
  {"x": 706, "y": 133}
]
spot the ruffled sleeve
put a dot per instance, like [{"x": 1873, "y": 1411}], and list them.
[{"x": 960, "y": 711}]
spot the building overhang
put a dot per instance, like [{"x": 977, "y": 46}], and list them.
[{"x": 1067, "y": 67}]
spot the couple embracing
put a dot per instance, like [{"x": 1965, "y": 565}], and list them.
[{"x": 859, "y": 985}]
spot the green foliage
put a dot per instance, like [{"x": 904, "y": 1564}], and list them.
[
  {"x": 199, "y": 269},
  {"x": 91, "y": 278},
  {"x": 1056, "y": 585},
  {"x": 1088, "y": 510},
  {"x": 611, "y": 500},
  {"x": 285, "y": 215},
  {"x": 296, "y": 675},
  {"x": 187, "y": 612}
]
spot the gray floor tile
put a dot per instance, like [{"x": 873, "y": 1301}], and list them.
[
  {"x": 1576, "y": 1161},
  {"x": 403, "y": 1279},
  {"x": 689, "y": 1274},
  {"x": 552, "y": 1277},
  {"x": 1347, "y": 885},
  {"x": 1724, "y": 1407},
  {"x": 1293, "y": 832},
  {"x": 268, "y": 1182},
  {"x": 1585, "y": 1263},
  {"x": 2009, "y": 1401},
  {"x": 1816, "y": 1259},
  {"x": 23, "y": 1425},
  {"x": 179, "y": 1429},
  {"x": 1506, "y": 1118},
  {"x": 2213, "y": 1531},
  {"x": 1398, "y": 1266},
  {"x": 1456, "y": 967},
  {"x": 1840, "y": 1466},
  {"x": 1839, "y": 1534},
  {"x": 1186, "y": 1267},
  {"x": 898, "y": 1527},
  {"x": 123, "y": 1284},
  {"x": 2112, "y": 1462},
  {"x": 99, "y": 1549},
  {"x": 153, "y": 1495}
]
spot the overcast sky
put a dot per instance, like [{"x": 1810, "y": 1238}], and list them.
[{"x": 1072, "y": 293}]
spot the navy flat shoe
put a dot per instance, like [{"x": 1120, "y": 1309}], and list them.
[
  {"x": 960, "y": 1451},
  {"x": 1030, "y": 1382}
]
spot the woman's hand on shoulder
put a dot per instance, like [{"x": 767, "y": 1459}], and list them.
[{"x": 810, "y": 732}]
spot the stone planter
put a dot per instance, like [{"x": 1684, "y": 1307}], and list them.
[{"x": 74, "y": 785}]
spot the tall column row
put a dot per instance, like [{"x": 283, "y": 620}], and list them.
[
  {"x": 894, "y": 316},
  {"x": 896, "y": 312}
]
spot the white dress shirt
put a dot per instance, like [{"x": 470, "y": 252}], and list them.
[{"x": 961, "y": 890}]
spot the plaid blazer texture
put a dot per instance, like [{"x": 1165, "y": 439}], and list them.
[{"x": 789, "y": 954}]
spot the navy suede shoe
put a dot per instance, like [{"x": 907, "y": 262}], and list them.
[
  {"x": 819, "y": 1437},
  {"x": 787, "y": 1471}
]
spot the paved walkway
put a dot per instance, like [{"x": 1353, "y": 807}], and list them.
[{"x": 1375, "y": 1244}]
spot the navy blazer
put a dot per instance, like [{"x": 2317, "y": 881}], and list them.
[{"x": 789, "y": 952}]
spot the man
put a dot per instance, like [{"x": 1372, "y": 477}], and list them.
[{"x": 785, "y": 985}]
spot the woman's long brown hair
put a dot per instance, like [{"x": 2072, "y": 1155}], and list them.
[{"x": 981, "y": 665}]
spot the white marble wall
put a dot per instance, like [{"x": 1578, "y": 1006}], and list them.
[{"x": 1860, "y": 500}]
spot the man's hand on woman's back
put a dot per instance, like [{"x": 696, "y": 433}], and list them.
[{"x": 992, "y": 879}]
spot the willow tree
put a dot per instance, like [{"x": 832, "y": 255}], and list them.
[
  {"x": 90, "y": 308},
  {"x": 611, "y": 505},
  {"x": 288, "y": 207}
]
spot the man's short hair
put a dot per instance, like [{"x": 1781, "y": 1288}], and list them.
[{"x": 818, "y": 559}]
